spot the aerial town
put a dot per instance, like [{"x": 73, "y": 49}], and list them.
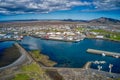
[
  {"x": 59, "y": 31},
  {"x": 59, "y": 39}
]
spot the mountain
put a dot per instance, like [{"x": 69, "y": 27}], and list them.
[
  {"x": 101, "y": 20},
  {"x": 71, "y": 20},
  {"x": 104, "y": 20}
]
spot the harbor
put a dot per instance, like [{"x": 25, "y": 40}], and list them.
[
  {"x": 78, "y": 59},
  {"x": 66, "y": 73},
  {"x": 58, "y": 39},
  {"x": 75, "y": 55},
  {"x": 104, "y": 53}
]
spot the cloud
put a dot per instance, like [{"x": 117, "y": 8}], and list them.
[
  {"x": 46, "y": 6},
  {"x": 106, "y": 4},
  {"x": 103, "y": 5},
  {"x": 37, "y": 6}
]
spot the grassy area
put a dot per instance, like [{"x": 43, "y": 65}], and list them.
[
  {"x": 34, "y": 67},
  {"x": 108, "y": 34},
  {"x": 21, "y": 77},
  {"x": 43, "y": 59},
  {"x": 31, "y": 72},
  {"x": 80, "y": 29}
]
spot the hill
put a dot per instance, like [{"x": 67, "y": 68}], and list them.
[{"x": 104, "y": 20}]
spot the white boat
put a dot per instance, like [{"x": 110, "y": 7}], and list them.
[
  {"x": 103, "y": 54},
  {"x": 96, "y": 62},
  {"x": 102, "y": 62},
  {"x": 99, "y": 62},
  {"x": 116, "y": 56}
]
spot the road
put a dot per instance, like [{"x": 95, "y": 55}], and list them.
[{"x": 24, "y": 56}]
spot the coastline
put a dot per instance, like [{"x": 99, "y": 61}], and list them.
[
  {"x": 90, "y": 38},
  {"x": 23, "y": 59},
  {"x": 2, "y": 40},
  {"x": 103, "y": 39},
  {"x": 42, "y": 59},
  {"x": 56, "y": 39},
  {"x": 76, "y": 41},
  {"x": 86, "y": 69},
  {"x": 7, "y": 40},
  {"x": 9, "y": 56},
  {"x": 64, "y": 71}
]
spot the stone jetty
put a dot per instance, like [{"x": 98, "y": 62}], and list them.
[{"x": 104, "y": 53}]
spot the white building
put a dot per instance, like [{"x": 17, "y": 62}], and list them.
[{"x": 99, "y": 36}]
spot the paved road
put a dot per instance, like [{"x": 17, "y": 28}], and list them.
[{"x": 24, "y": 58}]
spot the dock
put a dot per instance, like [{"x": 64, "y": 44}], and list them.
[
  {"x": 104, "y": 53},
  {"x": 52, "y": 39},
  {"x": 87, "y": 65}
]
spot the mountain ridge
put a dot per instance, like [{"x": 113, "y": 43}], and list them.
[
  {"x": 101, "y": 20},
  {"x": 105, "y": 20}
]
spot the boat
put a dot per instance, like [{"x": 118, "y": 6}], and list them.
[
  {"x": 96, "y": 62},
  {"x": 102, "y": 62},
  {"x": 115, "y": 56},
  {"x": 99, "y": 62},
  {"x": 103, "y": 54}
]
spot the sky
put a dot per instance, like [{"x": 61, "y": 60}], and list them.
[{"x": 58, "y": 9}]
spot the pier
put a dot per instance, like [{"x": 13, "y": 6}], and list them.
[
  {"x": 87, "y": 65},
  {"x": 104, "y": 53}
]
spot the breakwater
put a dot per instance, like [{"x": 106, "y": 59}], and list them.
[
  {"x": 87, "y": 65},
  {"x": 21, "y": 60},
  {"x": 103, "y": 53}
]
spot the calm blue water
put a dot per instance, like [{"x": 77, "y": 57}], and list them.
[
  {"x": 68, "y": 54},
  {"x": 4, "y": 45}
]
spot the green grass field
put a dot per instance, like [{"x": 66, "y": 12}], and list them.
[
  {"x": 108, "y": 34},
  {"x": 21, "y": 77},
  {"x": 42, "y": 58},
  {"x": 31, "y": 72}
]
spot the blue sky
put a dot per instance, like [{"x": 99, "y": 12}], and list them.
[{"x": 59, "y": 9}]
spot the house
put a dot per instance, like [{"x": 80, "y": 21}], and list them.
[{"x": 99, "y": 36}]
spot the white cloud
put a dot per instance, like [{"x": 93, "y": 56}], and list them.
[
  {"x": 46, "y": 6},
  {"x": 106, "y": 4},
  {"x": 103, "y": 5},
  {"x": 40, "y": 6}
]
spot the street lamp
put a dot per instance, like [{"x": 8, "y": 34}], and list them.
[
  {"x": 99, "y": 67},
  {"x": 110, "y": 66}
]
